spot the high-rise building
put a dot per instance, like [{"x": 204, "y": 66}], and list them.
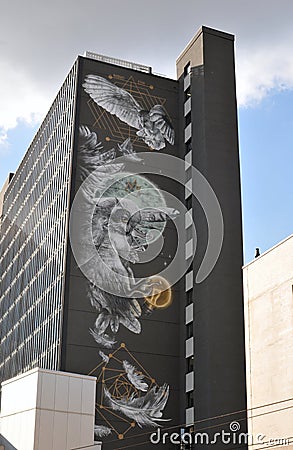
[{"x": 98, "y": 274}]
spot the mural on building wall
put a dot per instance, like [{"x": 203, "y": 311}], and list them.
[
  {"x": 129, "y": 216},
  {"x": 133, "y": 395},
  {"x": 153, "y": 125}
]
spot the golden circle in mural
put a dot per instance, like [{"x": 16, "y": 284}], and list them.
[{"x": 161, "y": 296}]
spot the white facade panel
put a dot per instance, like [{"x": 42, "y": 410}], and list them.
[
  {"x": 189, "y": 314},
  {"x": 188, "y": 188},
  {"x": 187, "y": 106},
  {"x": 47, "y": 410},
  {"x": 189, "y": 281},
  {"x": 189, "y": 382},
  {"x": 189, "y": 249},
  {"x": 187, "y": 81},
  {"x": 188, "y": 160},
  {"x": 187, "y": 133},
  {"x": 189, "y": 351},
  {"x": 189, "y": 416}
]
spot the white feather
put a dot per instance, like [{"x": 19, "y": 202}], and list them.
[
  {"x": 145, "y": 410},
  {"x": 135, "y": 379},
  {"x": 104, "y": 357},
  {"x": 102, "y": 431}
]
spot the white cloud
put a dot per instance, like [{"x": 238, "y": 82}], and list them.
[
  {"x": 20, "y": 100},
  {"x": 40, "y": 42},
  {"x": 3, "y": 137},
  {"x": 263, "y": 70},
  {"x": 4, "y": 146}
]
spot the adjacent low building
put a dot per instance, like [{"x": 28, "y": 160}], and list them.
[
  {"x": 48, "y": 410},
  {"x": 268, "y": 299}
]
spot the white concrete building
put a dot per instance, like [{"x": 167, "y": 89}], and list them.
[
  {"x": 268, "y": 300},
  {"x": 47, "y": 410}
]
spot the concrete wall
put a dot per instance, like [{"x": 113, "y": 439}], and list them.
[
  {"x": 218, "y": 325},
  {"x": 46, "y": 410},
  {"x": 268, "y": 299},
  {"x": 193, "y": 54}
]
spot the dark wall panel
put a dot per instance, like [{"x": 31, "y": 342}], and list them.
[
  {"x": 218, "y": 307},
  {"x": 130, "y": 344}
]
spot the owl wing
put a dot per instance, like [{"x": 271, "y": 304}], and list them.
[
  {"x": 113, "y": 99},
  {"x": 91, "y": 154},
  {"x": 88, "y": 139},
  {"x": 159, "y": 117}
]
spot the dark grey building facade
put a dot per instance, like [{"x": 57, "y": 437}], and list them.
[
  {"x": 215, "y": 305},
  {"x": 79, "y": 291}
]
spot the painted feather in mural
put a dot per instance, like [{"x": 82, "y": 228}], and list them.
[
  {"x": 126, "y": 148},
  {"x": 145, "y": 410},
  {"x": 102, "y": 431},
  {"x": 153, "y": 126},
  {"x": 134, "y": 377}
]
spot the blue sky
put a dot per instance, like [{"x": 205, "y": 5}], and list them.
[
  {"x": 40, "y": 43},
  {"x": 266, "y": 147}
]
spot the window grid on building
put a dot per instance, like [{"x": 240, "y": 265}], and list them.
[{"x": 33, "y": 243}]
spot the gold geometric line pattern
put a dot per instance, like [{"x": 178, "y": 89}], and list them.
[
  {"x": 118, "y": 130},
  {"x": 119, "y": 387}
]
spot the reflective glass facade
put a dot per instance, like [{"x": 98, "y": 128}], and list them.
[{"x": 33, "y": 243}]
